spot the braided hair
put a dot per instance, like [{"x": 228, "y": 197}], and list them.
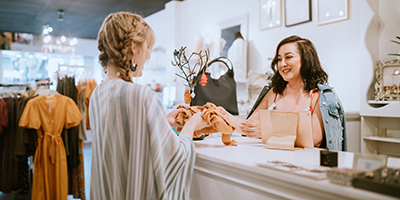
[{"x": 115, "y": 38}]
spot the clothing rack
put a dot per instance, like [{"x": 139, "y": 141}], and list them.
[
  {"x": 41, "y": 82},
  {"x": 73, "y": 70},
  {"x": 27, "y": 86}
]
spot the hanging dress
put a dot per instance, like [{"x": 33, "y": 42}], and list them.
[{"x": 49, "y": 116}]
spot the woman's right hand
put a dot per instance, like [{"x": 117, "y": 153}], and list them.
[
  {"x": 197, "y": 121},
  {"x": 223, "y": 111},
  {"x": 251, "y": 128}
]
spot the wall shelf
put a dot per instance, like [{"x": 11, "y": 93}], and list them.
[
  {"x": 382, "y": 139},
  {"x": 381, "y": 109},
  {"x": 371, "y": 143},
  {"x": 379, "y": 102}
]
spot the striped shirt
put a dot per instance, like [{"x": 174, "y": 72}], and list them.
[{"x": 135, "y": 152}]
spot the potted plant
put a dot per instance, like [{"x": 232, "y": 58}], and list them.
[{"x": 397, "y": 42}]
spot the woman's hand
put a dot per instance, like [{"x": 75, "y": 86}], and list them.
[
  {"x": 225, "y": 113},
  {"x": 172, "y": 115},
  {"x": 251, "y": 128},
  {"x": 197, "y": 121},
  {"x": 222, "y": 110}
]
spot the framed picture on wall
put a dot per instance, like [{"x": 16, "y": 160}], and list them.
[
  {"x": 297, "y": 12},
  {"x": 270, "y": 13},
  {"x": 330, "y": 11}
]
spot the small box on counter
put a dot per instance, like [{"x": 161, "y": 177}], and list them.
[{"x": 328, "y": 158}]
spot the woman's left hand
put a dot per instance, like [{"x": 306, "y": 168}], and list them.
[
  {"x": 251, "y": 128},
  {"x": 172, "y": 115}
]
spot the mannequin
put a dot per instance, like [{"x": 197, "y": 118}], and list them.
[{"x": 237, "y": 54}]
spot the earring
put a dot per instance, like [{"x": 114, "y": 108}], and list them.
[
  {"x": 133, "y": 66},
  {"x": 118, "y": 73}
]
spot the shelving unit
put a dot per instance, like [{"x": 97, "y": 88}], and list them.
[
  {"x": 381, "y": 110},
  {"x": 387, "y": 115}
]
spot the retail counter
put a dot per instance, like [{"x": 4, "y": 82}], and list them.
[{"x": 233, "y": 172}]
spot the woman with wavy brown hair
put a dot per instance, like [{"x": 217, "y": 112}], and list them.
[
  {"x": 135, "y": 152},
  {"x": 299, "y": 83}
]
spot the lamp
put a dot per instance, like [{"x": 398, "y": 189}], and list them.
[{"x": 62, "y": 39}]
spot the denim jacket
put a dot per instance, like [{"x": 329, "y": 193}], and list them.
[{"x": 332, "y": 112}]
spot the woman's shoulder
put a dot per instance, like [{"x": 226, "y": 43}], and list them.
[
  {"x": 328, "y": 95},
  {"x": 270, "y": 92},
  {"x": 324, "y": 87},
  {"x": 122, "y": 88}
]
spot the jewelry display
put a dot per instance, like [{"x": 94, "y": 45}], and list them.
[
  {"x": 295, "y": 167},
  {"x": 384, "y": 180},
  {"x": 384, "y": 173},
  {"x": 305, "y": 170},
  {"x": 369, "y": 174},
  {"x": 343, "y": 176}
]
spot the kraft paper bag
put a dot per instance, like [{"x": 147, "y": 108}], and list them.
[
  {"x": 304, "y": 137},
  {"x": 284, "y": 130}
]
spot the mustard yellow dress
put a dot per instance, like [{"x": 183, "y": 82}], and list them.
[
  {"x": 90, "y": 86},
  {"x": 49, "y": 115}
]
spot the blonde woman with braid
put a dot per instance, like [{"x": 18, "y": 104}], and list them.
[{"x": 135, "y": 152}]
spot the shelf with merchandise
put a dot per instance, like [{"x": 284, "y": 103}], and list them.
[{"x": 372, "y": 143}]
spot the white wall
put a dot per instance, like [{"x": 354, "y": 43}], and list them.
[
  {"x": 87, "y": 47},
  {"x": 339, "y": 44},
  {"x": 380, "y": 24}
]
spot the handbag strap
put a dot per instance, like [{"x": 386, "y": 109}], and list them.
[
  {"x": 215, "y": 60},
  {"x": 221, "y": 59}
]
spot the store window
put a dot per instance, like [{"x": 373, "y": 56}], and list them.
[
  {"x": 27, "y": 67},
  {"x": 23, "y": 67}
]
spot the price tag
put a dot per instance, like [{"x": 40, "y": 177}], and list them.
[{"x": 369, "y": 162}]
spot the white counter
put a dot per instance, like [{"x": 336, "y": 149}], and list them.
[{"x": 232, "y": 172}]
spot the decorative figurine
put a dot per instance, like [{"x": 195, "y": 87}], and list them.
[
  {"x": 369, "y": 174},
  {"x": 394, "y": 89},
  {"x": 188, "y": 72},
  {"x": 387, "y": 89}
]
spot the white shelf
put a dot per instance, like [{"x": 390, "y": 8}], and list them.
[
  {"x": 378, "y": 102},
  {"x": 382, "y": 139},
  {"x": 381, "y": 109},
  {"x": 380, "y": 145}
]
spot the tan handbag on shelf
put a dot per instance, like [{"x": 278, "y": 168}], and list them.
[{"x": 286, "y": 130}]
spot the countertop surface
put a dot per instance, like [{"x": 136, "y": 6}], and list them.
[{"x": 246, "y": 166}]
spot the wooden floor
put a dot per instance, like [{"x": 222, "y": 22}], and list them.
[{"x": 87, "y": 156}]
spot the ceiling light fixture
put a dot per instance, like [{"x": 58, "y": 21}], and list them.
[
  {"x": 63, "y": 30},
  {"x": 61, "y": 40}
]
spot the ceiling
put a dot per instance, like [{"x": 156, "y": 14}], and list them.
[{"x": 83, "y": 18}]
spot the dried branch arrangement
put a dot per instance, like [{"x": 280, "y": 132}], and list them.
[{"x": 188, "y": 72}]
